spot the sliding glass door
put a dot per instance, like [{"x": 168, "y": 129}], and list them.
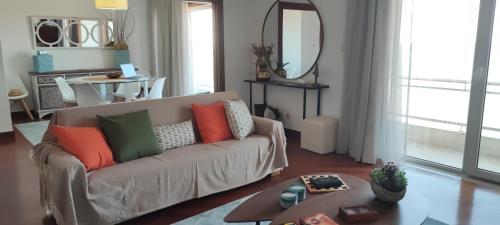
[
  {"x": 454, "y": 84},
  {"x": 201, "y": 28},
  {"x": 482, "y": 158},
  {"x": 443, "y": 38}
]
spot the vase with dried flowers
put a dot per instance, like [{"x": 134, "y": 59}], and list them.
[
  {"x": 262, "y": 71},
  {"x": 121, "y": 35}
]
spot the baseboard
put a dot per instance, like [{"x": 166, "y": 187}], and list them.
[
  {"x": 22, "y": 112},
  {"x": 7, "y": 137}
]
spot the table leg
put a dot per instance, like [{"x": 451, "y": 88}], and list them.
[
  {"x": 26, "y": 108},
  {"x": 146, "y": 88},
  {"x": 265, "y": 95},
  {"x": 257, "y": 223},
  {"x": 251, "y": 99},
  {"x": 318, "y": 109},
  {"x": 103, "y": 91},
  {"x": 304, "y": 104}
]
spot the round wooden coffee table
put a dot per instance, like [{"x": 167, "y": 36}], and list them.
[{"x": 264, "y": 206}]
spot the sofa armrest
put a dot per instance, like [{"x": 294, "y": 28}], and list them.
[
  {"x": 274, "y": 130},
  {"x": 63, "y": 181}
]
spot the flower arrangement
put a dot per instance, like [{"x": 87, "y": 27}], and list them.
[
  {"x": 262, "y": 51},
  {"x": 120, "y": 35},
  {"x": 119, "y": 18},
  {"x": 390, "y": 177}
]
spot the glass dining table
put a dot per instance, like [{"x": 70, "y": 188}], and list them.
[{"x": 102, "y": 81}]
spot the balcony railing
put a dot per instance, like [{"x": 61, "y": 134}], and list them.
[{"x": 493, "y": 88}]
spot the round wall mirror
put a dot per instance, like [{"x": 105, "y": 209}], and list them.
[
  {"x": 295, "y": 29},
  {"x": 48, "y": 33},
  {"x": 76, "y": 34},
  {"x": 102, "y": 33}
]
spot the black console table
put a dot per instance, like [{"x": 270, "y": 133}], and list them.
[{"x": 304, "y": 87}]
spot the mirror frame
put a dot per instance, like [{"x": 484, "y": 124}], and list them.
[
  {"x": 282, "y": 5},
  {"x": 64, "y": 35}
]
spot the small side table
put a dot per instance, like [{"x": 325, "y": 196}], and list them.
[{"x": 318, "y": 87}]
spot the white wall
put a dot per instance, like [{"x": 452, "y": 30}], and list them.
[
  {"x": 17, "y": 37},
  {"x": 242, "y": 26},
  {"x": 5, "y": 121}
]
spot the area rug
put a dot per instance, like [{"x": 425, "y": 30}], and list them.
[
  {"x": 33, "y": 131},
  {"x": 216, "y": 216}
]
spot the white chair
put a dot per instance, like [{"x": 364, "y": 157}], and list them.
[
  {"x": 128, "y": 91},
  {"x": 157, "y": 89},
  {"x": 17, "y": 92},
  {"x": 68, "y": 95},
  {"x": 87, "y": 95}
]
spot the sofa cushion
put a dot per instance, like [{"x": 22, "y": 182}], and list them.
[
  {"x": 88, "y": 144},
  {"x": 211, "y": 122},
  {"x": 175, "y": 135},
  {"x": 239, "y": 118},
  {"x": 130, "y": 135}
]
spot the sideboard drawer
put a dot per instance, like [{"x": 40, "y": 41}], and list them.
[
  {"x": 48, "y": 79},
  {"x": 50, "y": 97},
  {"x": 77, "y": 75}
]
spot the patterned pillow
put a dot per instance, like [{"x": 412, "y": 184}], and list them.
[
  {"x": 175, "y": 135},
  {"x": 239, "y": 118}
]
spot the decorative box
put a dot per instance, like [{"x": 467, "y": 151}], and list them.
[
  {"x": 354, "y": 214},
  {"x": 121, "y": 57},
  {"x": 43, "y": 63}
]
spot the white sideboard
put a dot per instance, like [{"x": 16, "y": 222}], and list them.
[{"x": 46, "y": 94}]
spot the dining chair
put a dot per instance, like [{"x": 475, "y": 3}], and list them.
[
  {"x": 67, "y": 93},
  {"x": 128, "y": 91},
  {"x": 87, "y": 95},
  {"x": 157, "y": 89},
  {"x": 17, "y": 92}
]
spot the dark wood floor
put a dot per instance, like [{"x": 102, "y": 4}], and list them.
[{"x": 453, "y": 200}]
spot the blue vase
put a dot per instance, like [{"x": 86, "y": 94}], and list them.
[
  {"x": 43, "y": 63},
  {"x": 121, "y": 57}
]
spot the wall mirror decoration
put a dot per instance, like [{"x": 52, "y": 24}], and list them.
[
  {"x": 295, "y": 29},
  {"x": 51, "y": 32}
]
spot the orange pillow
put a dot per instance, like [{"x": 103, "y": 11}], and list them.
[
  {"x": 88, "y": 144},
  {"x": 212, "y": 122}
]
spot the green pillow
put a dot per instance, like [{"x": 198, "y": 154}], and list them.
[{"x": 130, "y": 135}]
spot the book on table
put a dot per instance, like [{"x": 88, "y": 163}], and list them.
[{"x": 316, "y": 219}]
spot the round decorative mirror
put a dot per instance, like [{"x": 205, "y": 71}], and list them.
[
  {"x": 76, "y": 33},
  {"x": 48, "y": 33},
  {"x": 295, "y": 29},
  {"x": 102, "y": 33}
]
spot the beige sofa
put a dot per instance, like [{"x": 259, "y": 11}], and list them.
[{"x": 114, "y": 194}]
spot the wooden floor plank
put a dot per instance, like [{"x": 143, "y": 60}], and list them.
[{"x": 453, "y": 200}]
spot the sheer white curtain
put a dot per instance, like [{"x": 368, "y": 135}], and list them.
[
  {"x": 171, "y": 45},
  {"x": 373, "y": 116}
]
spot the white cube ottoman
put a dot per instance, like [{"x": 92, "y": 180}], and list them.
[{"x": 319, "y": 134}]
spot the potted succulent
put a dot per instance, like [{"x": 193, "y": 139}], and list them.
[
  {"x": 389, "y": 183},
  {"x": 262, "y": 71}
]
